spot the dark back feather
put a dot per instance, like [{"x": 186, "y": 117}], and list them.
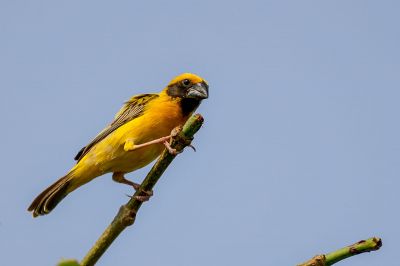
[{"x": 131, "y": 110}]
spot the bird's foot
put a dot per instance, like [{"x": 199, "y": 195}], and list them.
[
  {"x": 147, "y": 193},
  {"x": 120, "y": 178},
  {"x": 170, "y": 149},
  {"x": 186, "y": 141},
  {"x": 142, "y": 198},
  {"x": 174, "y": 132}
]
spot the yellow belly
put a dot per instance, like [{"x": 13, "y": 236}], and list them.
[{"x": 109, "y": 155}]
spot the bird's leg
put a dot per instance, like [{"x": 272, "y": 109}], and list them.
[
  {"x": 120, "y": 178},
  {"x": 130, "y": 146}
]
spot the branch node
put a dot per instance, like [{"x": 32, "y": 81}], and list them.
[
  {"x": 318, "y": 260},
  {"x": 128, "y": 215}
]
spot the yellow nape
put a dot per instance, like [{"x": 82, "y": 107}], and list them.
[{"x": 192, "y": 77}]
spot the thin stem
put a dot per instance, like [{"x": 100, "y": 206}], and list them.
[{"x": 362, "y": 246}]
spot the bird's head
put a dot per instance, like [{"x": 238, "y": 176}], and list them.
[{"x": 188, "y": 86}]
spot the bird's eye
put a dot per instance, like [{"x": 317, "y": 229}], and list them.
[{"x": 186, "y": 83}]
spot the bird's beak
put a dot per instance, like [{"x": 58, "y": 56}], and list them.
[{"x": 198, "y": 91}]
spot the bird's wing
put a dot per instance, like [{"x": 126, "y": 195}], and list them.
[{"x": 131, "y": 110}]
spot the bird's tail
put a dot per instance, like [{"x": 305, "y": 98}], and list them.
[{"x": 50, "y": 197}]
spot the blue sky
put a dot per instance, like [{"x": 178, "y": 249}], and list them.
[{"x": 299, "y": 153}]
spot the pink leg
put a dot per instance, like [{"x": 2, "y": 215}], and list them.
[
  {"x": 120, "y": 178},
  {"x": 156, "y": 141},
  {"x": 164, "y": 140}
]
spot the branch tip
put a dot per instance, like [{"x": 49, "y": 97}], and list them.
[{"x": 371, "y": 244}]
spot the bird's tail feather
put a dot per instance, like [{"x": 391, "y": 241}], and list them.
[{"x": 50, "y": 197}]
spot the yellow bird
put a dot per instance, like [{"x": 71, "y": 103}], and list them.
[{"x": 135, "y": 138}]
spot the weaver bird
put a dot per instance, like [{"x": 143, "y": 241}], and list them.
[{"x": 135, "y": 138}]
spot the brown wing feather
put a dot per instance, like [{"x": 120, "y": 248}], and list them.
[{"x": 131, "y": 109}]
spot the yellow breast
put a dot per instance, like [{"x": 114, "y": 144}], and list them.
[{"x": 159, "y": 118}]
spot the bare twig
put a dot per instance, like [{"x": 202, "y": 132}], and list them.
[{"x": 362, "y": 246}]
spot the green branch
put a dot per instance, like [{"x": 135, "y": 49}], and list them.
[
  {"x": 362, "y": 246},
  {"x": 127, "y": 213}
]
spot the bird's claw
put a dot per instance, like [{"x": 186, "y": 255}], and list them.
[
  {"x": 142, "y": 198},
  {"x": 186, "y": 141},
  {"x": 137, "y": 187},
  {"x": 171, "y": 150},
  {"x": 191, "y": 146}
]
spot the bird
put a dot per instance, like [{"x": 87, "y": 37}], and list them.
[{"x": 138, "y": 134}]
